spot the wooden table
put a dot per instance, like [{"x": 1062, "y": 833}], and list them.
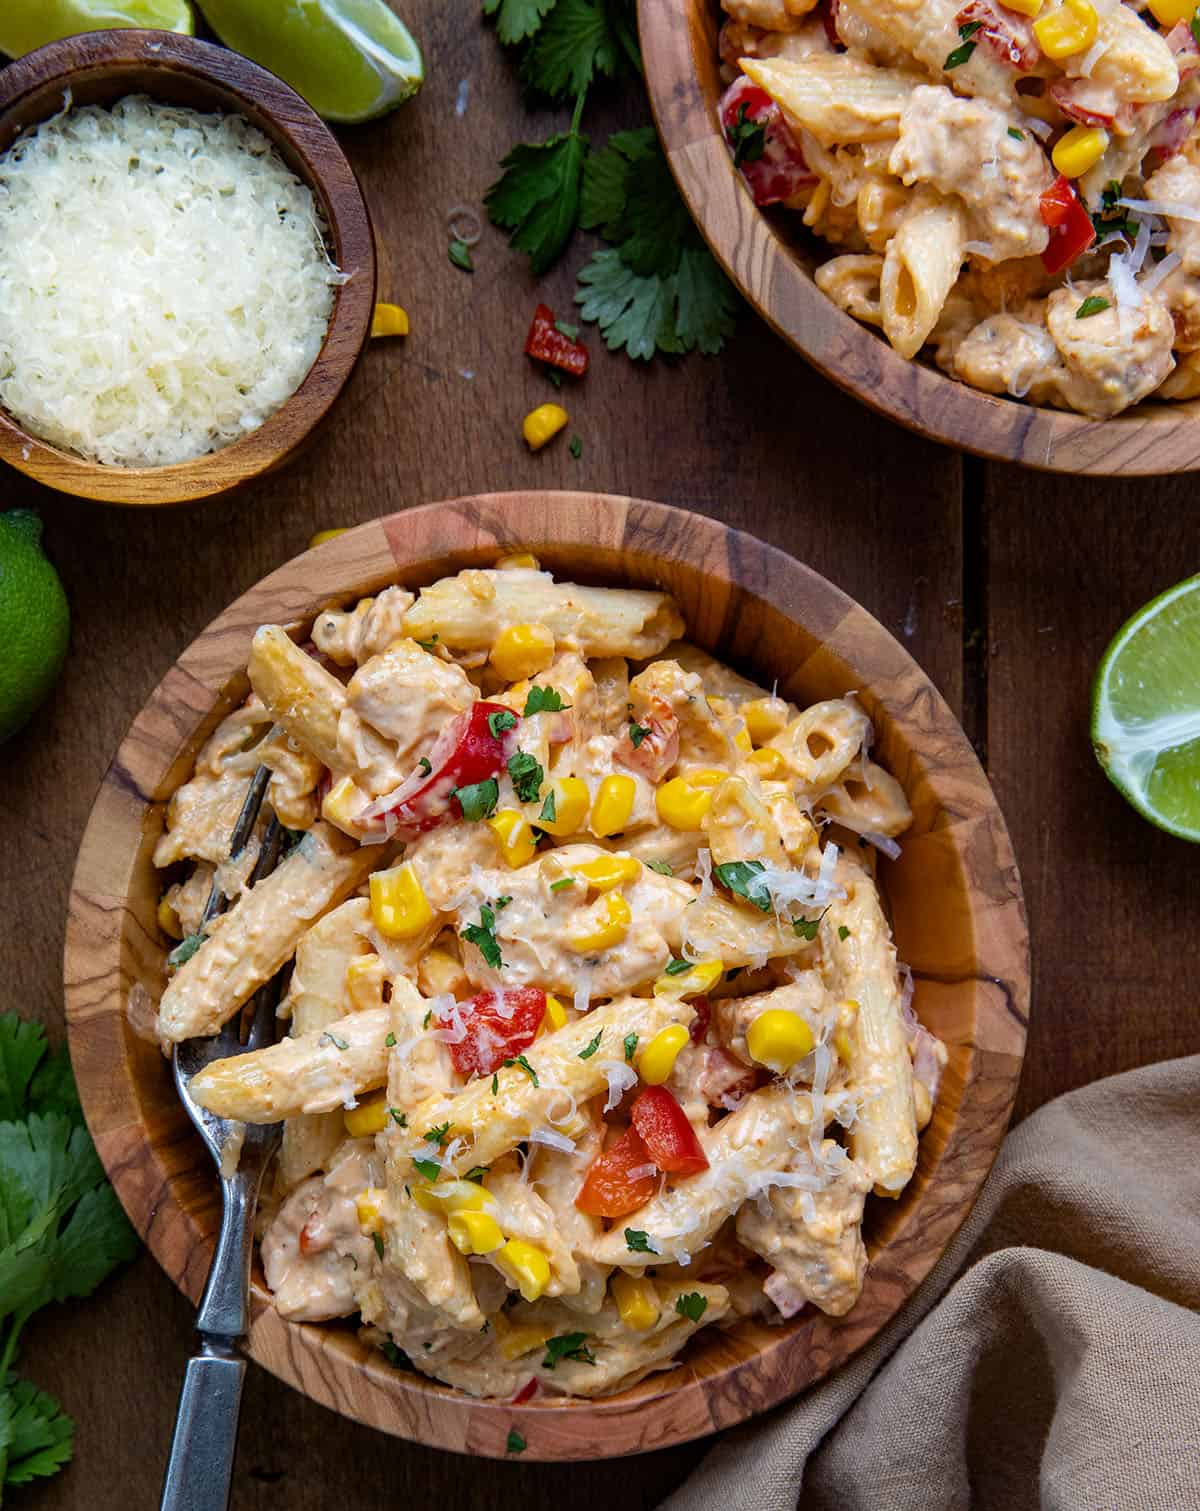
[{"x": 1005, "y": 584}]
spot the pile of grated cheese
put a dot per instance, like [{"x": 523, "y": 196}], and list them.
[{"x": 164, "y": 282}]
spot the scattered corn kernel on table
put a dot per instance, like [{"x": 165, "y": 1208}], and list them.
[{"x": 1006, "y": 585}]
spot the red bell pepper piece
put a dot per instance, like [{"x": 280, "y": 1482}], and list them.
[
  {"x": 610, "y": 1188},
  {"x": 546, "y": 343},
  {"x": 771, "y": 159},
  {"x": 1070, "y": 225},
  {"x": 499, "y": 1025},
  {"x": 664, "y": 1129},
  {"x": 466, "y": 752},
  {"x": 526, "y": 1392},
  {"x": 1008, "y": 37}
]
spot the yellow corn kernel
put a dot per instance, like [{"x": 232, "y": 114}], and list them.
[
  {"x": 439, "y": 974},
  {"x": 342, "y": 806},
  {"x": 1068, "y": 30},
  {"x": 657, "y": 1060},
  {"x": 474, "y": 1232},
  {"x": 1024, "y": 7},
  {"x": 364, "y": 982},
  {"x": 399, "y": 907},
  {"x": 322, "y": 536},
  {"x": 520, "y": 560},
  {"x": 610, "y": 871},
  {"x": 571, "y": 801},
  {"x": 843, "y": 1029},
  {"x": 765, "y": 718},
  {"x": 452, "y": 1196},
  {"x": 522, "y": 650},
  {"x": 604, "y": 925},
  {"x": 369, "y": 1206},
  {"x": 523, "y": 1266},
  {"x": 742, "y": 741},
  {"x": 683, "y": 802},
  {"x": 637, "y": 1302},
  {"x": 1081, "y": 149},
  {"x": 613, "y": 805},
  {"x": 518, "y": 843},
  {"x": 768, "y": 762},
  {"x": 389, "y": 320},
  {"x": 168, "y": 920},
  {"x": 543, "y": 424},
  {"x": 513, "y": 1339},
  {"x": 778, "y": 1038},
  {"x": 368, "y": 1118},
  {"x": 556, "y": 1015},
  {"x": 701, "y": 978}
]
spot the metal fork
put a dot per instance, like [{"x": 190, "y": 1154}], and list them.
[{"x": 200, "y": 1469}]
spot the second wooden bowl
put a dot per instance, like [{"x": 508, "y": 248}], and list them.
[
  {"x": 954, "y": 895},
  {"x": 99, "y": 68},
  {"x": 770, "y": 260}
]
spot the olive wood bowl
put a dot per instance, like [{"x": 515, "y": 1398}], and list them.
[
  {"x": 771, "y": 258},
  {"x": 99, "y": 68},
  {"x": 954, "y": 895}
]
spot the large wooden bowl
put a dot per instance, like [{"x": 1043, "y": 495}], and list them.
[
  {"x": 771, "y": 259},
  {"x": 99, "y": 68},
  {"x": 955, "y": 898}
]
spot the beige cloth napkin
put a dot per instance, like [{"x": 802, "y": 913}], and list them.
[{"x": 1051, "y": 1359}]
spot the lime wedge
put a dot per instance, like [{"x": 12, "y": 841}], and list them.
[
  {"x": 351, "y": 59},
  {"x": 1146, "y": 710},
  {"x": 26, "y": 24}
]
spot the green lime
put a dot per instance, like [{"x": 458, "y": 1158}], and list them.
[
  {"x": 1146, "y": 710},
  {"x": 350, "y": 59},
  {"x": 35, "y": 622},
  {"x": 26, "y": 24}
]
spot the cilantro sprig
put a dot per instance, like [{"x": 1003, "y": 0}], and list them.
[
  {"x": 655, "y": 287},
  {"x": 61, "y": 1233},
  {"x": 483, "y": 936}
]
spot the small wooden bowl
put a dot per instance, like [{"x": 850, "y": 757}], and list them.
[
  {"x": 771, "y": 259},
  {"x": 954, "y": 894},
  {"x": 99, "y": 68}
]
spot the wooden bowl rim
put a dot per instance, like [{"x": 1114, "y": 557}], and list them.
[
  {"x": 330, "y": 1364},
  {"x": 1149, "y": 440},
  {"x": 291, "y": 122}
]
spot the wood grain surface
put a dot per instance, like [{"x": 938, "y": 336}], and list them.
[
  {"x": 771, "y": 258},
  {"x": 1005, "y": 586}
]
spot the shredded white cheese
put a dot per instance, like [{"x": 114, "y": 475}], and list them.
[{"x": 164, "y": 282}]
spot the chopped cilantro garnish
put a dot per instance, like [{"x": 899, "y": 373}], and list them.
[
  {"x": 377, "y": 1240},
  {"x": 483, "y": 936},
  {"x": 556, "y": 378},
  {"x": 637, "y": 733},
  {"x": 184, "y": 950},
  {"x": 526, "y": 773},
  {"x": 499, "y": 722},
  {"x": 630, "y": 1041},
  {"x": 1194, "y": 26},
  {"x": 476, "y": 1174},
  {"x": 525, "y": 1066},
  {"x": 437, "y": 1135},
  {"x": 1016, "y": 134},
  {"x": 425, "y": 765},
  {"x": 738, "y": 876},
  {"x": 807, "y": 928},
  {"x": 586, "y": 1054},
  {"x": 479, "y": 800},
  {"x": 390, "y": 1041},
  {"x": 427, "y": 1017},
  {"x": 398, "y": 1117},
  {"x": 959, "y": 56},
  {"x": 691, "y": 1305},
  {"x": 429, "y": 1168},
  {"x": 664, "y": 868},
  {"x": 563, "y": 881},
  {"x": 514, "y": 1443},
  {"x": 495, "y": 1084},
  {"x": 575, "y": 447},
  {"x": 567, "y": 1346},
  {"x": 677, "y": 967},
  {"x": 460, "y": 255},
  {"x": 428, "y": 645},
  {"x": 334, "y": 1040},
  {"x": 843, "y": 932},
  {"x": 747, "y": 138},
  {"x": 549, "y": 811},
  {"x": 1092, "y": 305},
  {"x": 638, "y": 1242},
  {"x": 502, "y": 903},
  {"x": 543, "y": 700}
]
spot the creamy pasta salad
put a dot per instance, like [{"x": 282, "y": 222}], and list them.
[
  {"x": 1013, "y": 186},
  {"x": 597, "y": 1032}
]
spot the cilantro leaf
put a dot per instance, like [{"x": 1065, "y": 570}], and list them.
[
  {"x": 637, "y": 733},
  {"x": 483, "y": 936},
  {"x": 606, "y": 180},
  {"x": 543, "y": 700},
  {"x": 655, "y": 222},
  {"x": 184, "y": 951},
  {"x": 499, "y": 722},
  {"x": 663, "y": 867},
  {"x": 377, "y": 1239},
  {"x": 399, "y": 1118},
  {"x": 630, "y": 1042},
  {"x": 517, "y": 20},
  {"x": 574, "y": 45},
  {"x": 41, "y": 1435},
  {"x": 631, "y": 311},
  {"x": 437, "y": 1135},
  {"x": 706, "y": 304},
  {"x": 638, "y": 1242},
  {"x": 741, "y": 878},
  {"x": 514, "y": 1443},
  {"x": 476, "y": 1174},
  {"x": 677, "y": 967},
  {"x": 807, "y": 928},
  {"x": 536, "y": 198},
  {"x": 843, "y": 932},
  {"x": 563, "y": 881},
  {"x": 524, "y": 1064},
  {"x": 549, "y": 811},
  {"x": 527, "y": 775},
  {"x": 593, "y": 1046},
  {"x": 567, "y": 1346},
  {"x": 429, "y": 1168},
  {"x": 479, "y": 800},
  {"x": 747, "y": 138},
  {"x": 22, "y": 1046},
  {"x": 691, "y": 1305}
]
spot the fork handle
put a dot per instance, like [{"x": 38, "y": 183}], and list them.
[{"x": 200, "y": 1469}]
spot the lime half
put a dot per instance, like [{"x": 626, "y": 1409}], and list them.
[
  {"x": 1146, "y": 710},
  {"x": 351, "y": 59},
  {"x": 26, "y": 24}
]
